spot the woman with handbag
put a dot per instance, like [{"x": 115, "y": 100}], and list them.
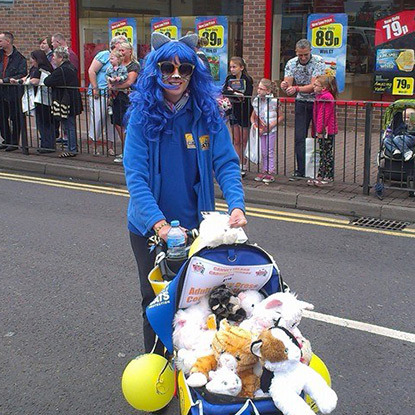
[
  {"x": 41, "y": 68},
  {"x": 66, "y": 98}
]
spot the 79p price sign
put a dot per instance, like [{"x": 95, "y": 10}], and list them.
[{"x": 394, "y": 27}]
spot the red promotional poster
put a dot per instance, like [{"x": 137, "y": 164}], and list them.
[
  {"x": 394, "y": 27},
  {"x": 395, "y": 54}
]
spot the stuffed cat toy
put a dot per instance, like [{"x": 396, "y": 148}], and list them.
[
  {"x": 224, "y": 379},
  {"x": 280, "y": 353},
  {"x": 224, "y": 304}
]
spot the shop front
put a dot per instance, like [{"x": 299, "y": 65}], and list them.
[
  {"x": 99, "y": 19},
  {"x": 378, "y": 39}
]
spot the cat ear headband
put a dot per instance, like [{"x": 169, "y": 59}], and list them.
[{"x": 158, "y": 40}]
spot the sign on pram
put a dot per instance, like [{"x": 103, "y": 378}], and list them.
[{"x": 202, "y": 275}]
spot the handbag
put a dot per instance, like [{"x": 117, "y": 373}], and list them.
[
  {"x": 252, "y": 150},
  {"x": 43, "y": 93},
  {"x": 28, "y": 98},
  {"x": 60, "y": 108}
]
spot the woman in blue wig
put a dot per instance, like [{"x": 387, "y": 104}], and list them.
[{"x": 176, "y": 143}]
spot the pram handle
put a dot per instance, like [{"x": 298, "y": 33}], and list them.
[{"x": 169, "y": 267}]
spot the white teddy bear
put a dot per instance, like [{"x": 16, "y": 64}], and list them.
[
  {"x": 191, "y": 337},
  {"x": 214, "y": 230},
  {"x": 279, "y": 354},
  {"x": 224, "y": 380}
]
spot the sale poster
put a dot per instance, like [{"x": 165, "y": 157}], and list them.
[
  {"x": 395, "y": 54},
  {"x": 169, "y": 26},
  {"x": 123, "y": 26},
  {"x": 215, "y": 30},
  {"x": 328, "y": 36}
]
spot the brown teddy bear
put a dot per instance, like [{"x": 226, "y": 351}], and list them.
[{"x": 237, "y": 342}]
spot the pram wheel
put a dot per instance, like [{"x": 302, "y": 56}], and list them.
[
  {"x": 411, "y": 185},
  {"x": 379, "y": 187}
]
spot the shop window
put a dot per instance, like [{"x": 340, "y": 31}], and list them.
[
  {"x": 94, "y": 15},
  {"x": 290, "y": 25}
]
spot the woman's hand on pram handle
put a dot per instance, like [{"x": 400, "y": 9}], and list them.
[
  {"x": 161, "y": 229},
  {"x": 237, "y": 219}
]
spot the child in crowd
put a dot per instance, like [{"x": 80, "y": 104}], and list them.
[
  {"x": 325, "y": 125},
  {"x": 265, "y": 119},
  {"x": 403, "y": 143},
  {"x": 116, "y": 74},
  {"x": 238, "y": 87}
]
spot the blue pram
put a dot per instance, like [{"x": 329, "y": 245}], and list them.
[{"x": 194, "y": 279}]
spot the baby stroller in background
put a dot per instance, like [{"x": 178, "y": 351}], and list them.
[
  {"x": 172, "y": 295},
  {"x": 393, "y": 168}
]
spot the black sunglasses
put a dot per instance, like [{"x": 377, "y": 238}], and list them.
[{"x": 167, "y": 68}]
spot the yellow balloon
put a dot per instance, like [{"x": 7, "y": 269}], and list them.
[
  {"x": 148, "y": 382},
  {"x": 318, "y": 365}
]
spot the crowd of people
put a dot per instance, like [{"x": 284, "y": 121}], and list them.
[{"x": 50, "y": 90}]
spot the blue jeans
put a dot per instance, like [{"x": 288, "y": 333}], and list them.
[
  {"x": 69, "y": 126},
  {"x": 403, "y": 143},
  {"x": 46, "y": 126}
]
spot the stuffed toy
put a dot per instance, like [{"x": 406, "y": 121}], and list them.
[
  {"x": 237, "y": 342},
  {"x": 284, "y": 306},
  {"x": 280, "y": 353},
  {"x": 249, "y": 299},
  {"x": 224, "y": 304},
  {"x": 214, "y": 230},
  {"x": 192, "y": 336},
  {"x": 224, "y": 379}
]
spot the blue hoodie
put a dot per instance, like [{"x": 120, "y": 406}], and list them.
[{"x": 215, "y": 156}]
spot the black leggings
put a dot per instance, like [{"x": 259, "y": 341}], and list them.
[{"x": 145, "y": 263}]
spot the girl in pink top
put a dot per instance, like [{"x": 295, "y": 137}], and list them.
[{"x": 325, "y": 125}]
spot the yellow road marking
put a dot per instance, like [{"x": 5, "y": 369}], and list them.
[{"x": 250, "y": 211}]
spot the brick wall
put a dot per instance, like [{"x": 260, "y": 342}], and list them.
[
  {"x": 29, "y": 20},
  {"x": 254, "y": 37}
]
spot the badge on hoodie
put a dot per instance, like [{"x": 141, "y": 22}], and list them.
[
  {"x": 204, "y": 142},
  {"x": 190, "y": 142}
]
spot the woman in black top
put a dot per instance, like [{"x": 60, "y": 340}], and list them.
[
  {"x": 238, "y": 88},
  {"x": 66, "y": 75},
  {"x": 41, "y": 68}
]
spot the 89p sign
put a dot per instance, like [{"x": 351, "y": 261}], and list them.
[
  {"x": 123, "y": 27},
  {"x": 168, "y": 26},
  {"x": 126, "y": 31},
  {"x": 328, "y": 36}
]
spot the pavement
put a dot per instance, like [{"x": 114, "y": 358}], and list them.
[{"x": 340, "y": 198}]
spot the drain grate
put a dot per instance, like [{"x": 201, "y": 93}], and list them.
[{"x": 391, "y": 225}]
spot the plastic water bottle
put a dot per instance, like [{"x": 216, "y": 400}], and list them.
[{"x": 176, "y": 241}]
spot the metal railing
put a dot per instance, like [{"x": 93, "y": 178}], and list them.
[{"x": 356, "y": 146}]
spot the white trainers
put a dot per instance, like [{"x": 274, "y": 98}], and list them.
[
  {"x": 118, "y": 159},
  {"x": 408, "y": 155},
  {"x": 396, "y": 152}
]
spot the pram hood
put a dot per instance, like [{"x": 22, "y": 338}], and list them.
[
  {"x": 395, "y": 108},
  {"x": 240, "y": 266}
]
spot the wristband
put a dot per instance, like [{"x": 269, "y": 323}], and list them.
[
  {"x": 297, "y": 88},
  {"x": 158, "y": 228}
]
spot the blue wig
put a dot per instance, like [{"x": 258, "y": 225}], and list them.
[{"x": 147, "y": 101}]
